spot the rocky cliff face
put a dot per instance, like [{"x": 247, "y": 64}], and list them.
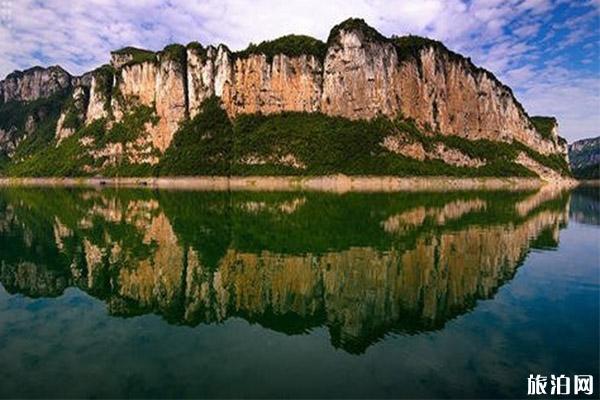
[
  {"x": 357, "y": 74},
  {"x": 34, "y": 83},
  {"x": 584, "y": 157},
  {"x": 260, "y": 85},
  {"x": 585, "y": 152},
  {"x": 159, "y": 83}
]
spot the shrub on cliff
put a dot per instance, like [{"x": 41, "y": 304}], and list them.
[
  {"x": 544, "y": 125},
  {"x": 290, "y": 45}
]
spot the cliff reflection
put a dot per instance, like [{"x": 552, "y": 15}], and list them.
[{"x": 363, "y": 265}]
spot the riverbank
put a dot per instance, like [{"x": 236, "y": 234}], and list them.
[{"x": 333, "y": 183}]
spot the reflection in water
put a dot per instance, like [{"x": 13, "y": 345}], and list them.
[
  {"x": 585, "y": 205},
  {"x": 363, "y": 265}
]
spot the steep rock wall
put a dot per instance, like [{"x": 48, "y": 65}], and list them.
[
  {"x": 73, "y": 115},
  {"x": 161, "y": 85},
  {"x": 359, "y": 77},
  {"x": 454, "y": 98},
  {"x": 283, "y": 84},
  {"x": 34, "y": 83},
  {"x": 99, "y": 100},
  {"x": 208, "y": 71},
  {"x": 364, "y": 75}
]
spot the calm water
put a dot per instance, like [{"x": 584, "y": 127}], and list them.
[{"x": 186, "y": 294}]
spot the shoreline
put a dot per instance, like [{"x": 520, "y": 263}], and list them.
[{"x": 330, "y": 183}]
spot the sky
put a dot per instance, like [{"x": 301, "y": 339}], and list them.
[{"x": 548, "y": 51}]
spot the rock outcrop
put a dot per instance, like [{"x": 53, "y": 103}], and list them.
[{"x": 159, "y": 83}]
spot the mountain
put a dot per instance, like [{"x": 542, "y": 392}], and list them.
[
  {"x": 359, "y": 104},
  {"x": 584, "y": 157}
]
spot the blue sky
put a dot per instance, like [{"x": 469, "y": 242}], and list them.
[{"x": 548, "y": 51}]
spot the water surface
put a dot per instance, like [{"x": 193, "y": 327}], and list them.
[{"x": 139, "y": 293}]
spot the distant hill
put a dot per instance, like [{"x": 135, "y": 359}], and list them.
[{"x": 584, "y": 157}]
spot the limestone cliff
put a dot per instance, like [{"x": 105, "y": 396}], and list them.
[
  {"x": 260, "y": 85},
  {"x": 358, "y": 74},
  {"x": 159, "y": 82}
]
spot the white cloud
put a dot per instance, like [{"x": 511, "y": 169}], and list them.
[{"x": 496, "y": 34}]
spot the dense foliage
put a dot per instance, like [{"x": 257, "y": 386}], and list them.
[
  {"x": 70, "y": 158},
  {"x": 290, "y": 45},
  {"x": 43, "y": 113},
  {"x": 202, "y": 146},
  {"x": 544, "y": 125},
  {"x": 316, "y": 144},
  {"x": 197, "y": 47},
  {"x": 174, "y": 52}
]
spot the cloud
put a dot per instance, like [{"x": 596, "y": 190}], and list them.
[{"x": 521, "y": 41}]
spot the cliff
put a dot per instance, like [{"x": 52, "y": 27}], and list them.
[
  {"x": 358, "y": 75},
  {"x": 584, "y": 157}
]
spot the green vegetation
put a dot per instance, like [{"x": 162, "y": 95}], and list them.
[
  {"x": 411, "y": 45},
  {"x": 74, "y": 117},
  {"x": 174, "y": 52},
  {"x": 197, "y": 46},
  {"x": 355, "y": 24},
  {"x": 290, "y": 45},
  {"x": 544, "y": 125},
  {"x": 202, "y": 146},
  {"x": 138, "y": 55},
  {"x": 15, "y": 113},
  {"x": 315, "y": 144},
  {"x": 70, "y": 158},
  {"x": 43, "y": 113},
  {"x": 130, "y": 127},
  {"x": 104, "y": 81}
]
